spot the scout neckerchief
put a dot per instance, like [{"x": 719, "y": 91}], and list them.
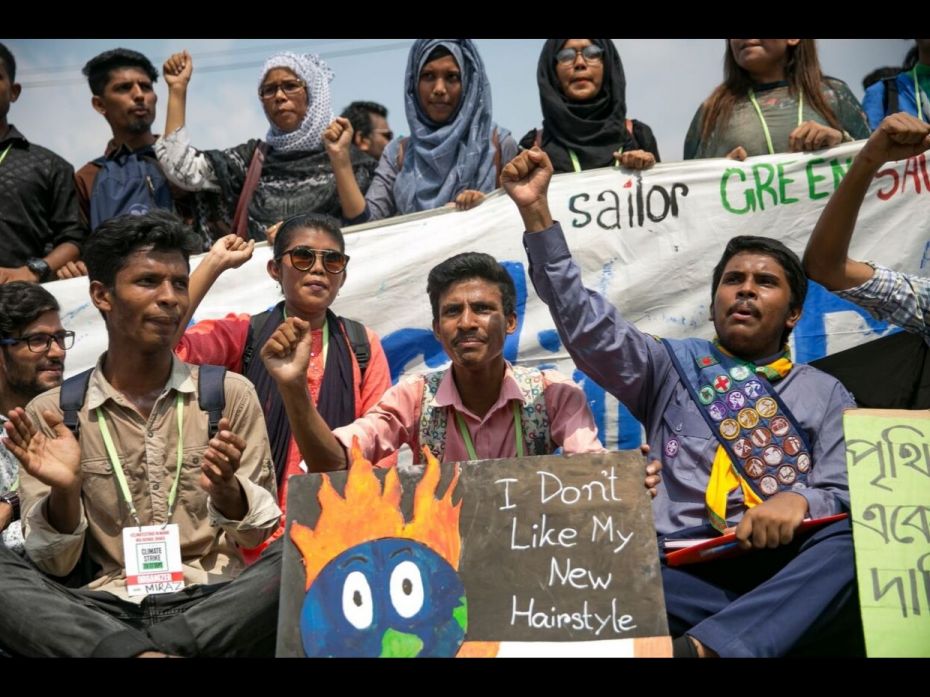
[
  {"x": 765, "y": 126},
  {"x": 761, "y": 447},
  {"x": 118, "y": 468}
]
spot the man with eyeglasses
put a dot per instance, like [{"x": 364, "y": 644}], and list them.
[
  {"x": 371, "y": 132},
  {"x": 150, "y": 483},
  {"x": 32, "y": 360}
]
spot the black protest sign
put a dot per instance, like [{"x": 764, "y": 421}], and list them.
[{"x": 543, "y": 549}]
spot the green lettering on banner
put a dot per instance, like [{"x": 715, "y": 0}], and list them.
[
  {"x": 812, "y": 180},
  {"x": 765, "y": 186},
  {"x": 888, "y": 459},
  {"x": 839, "y": 171},
  {"x": 750, "y": 200},
  {"x": 783, "y": 182}
]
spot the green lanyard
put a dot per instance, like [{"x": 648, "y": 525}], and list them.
[
  {"x": 3, "y": 156},
  {"x": 325, "y": 337},
  {"x": 917, "y": 97},
  {"x": 576, "y": 165},
  {"x": 517, "y": 427},
  {"x": 765, "y": 126},
  {"x": 118, "y": 468}
]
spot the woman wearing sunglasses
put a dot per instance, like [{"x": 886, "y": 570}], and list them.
[
  {"x": 310, "y": 264},
  {"x": 273, "y": 179},
  {"x": 582, "y": 90},
  {"x": 773, "y": 98},
  {"x": 455, "y": 151}
]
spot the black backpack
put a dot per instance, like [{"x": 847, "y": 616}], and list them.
[
  {"x": 358, "y": 338},
  {"x": 211, "y": 396}
]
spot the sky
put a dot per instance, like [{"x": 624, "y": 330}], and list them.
[{"x": 666, "y": 81}]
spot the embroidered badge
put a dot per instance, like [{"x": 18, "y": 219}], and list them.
[
  {"x": 803, "y": 462},
  {"x": 792, "y": 445},
  {"x": 717, "y": 411},
  {"x": 722, "y": 384},
  {"x": 705, "y": 361},
  {"x": 761, "y": 437},
  {"x": 736, "y": 400},
  {"x": 773, "y": 455},
  {"x": 786, "y": 474},
  {"x": 754, "y": 467},
  {"x": 672, "y": 447},
  {"x": 743, "y": 448},
  {"x": 779, "y": 426},
  {"x": 752, "y": 389},
  {"x": 706, "y": 394},
  {"x": 729, "y": 429},
  {"x": 748, "y": 418},
  {"x": 768, "y": 485},
  {"x": 766, "y": 407},
  {"x": 740, "y": 372}
]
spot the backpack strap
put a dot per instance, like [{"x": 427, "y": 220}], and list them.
[
  {"x": 240, "y": 224},
  {"x": 358, "y": 338},
  {"x": 401, "y": 147},
  {"x": 71, "y": 399},
  {"x": 211, "y": 395},
  {"x": 256, "y": 324},
  {"x": 890, "y": 97}
]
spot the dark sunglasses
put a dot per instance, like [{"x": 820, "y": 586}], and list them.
[
  {"x": 303, "y": 259},
  {"x": 591, "y": 54},
  {"x": 39, "y": 343},
  {"x": 289, "y": 87}
]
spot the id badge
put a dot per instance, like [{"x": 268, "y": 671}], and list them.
[{"x": 153, "y": 559}]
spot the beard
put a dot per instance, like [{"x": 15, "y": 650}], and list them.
[{"x": 27, "y": 382}]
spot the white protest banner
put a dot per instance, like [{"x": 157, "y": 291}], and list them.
[{"x": 648, "y": 241}]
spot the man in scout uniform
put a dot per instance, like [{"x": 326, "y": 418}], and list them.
[
  {"x": 747, "y": 438},
  {"x": 480, "y": 408},
  {"x": 133, "y": 478}
]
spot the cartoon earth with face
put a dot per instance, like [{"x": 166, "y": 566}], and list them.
[{"x": 389, "y": 598}]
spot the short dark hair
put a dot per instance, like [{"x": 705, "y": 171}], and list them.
[
  {"x": 111, "y": 244},
  {"x": 438, "y": 52},
  {"x": 98, "y": 69},
  {"x": 789, "y": 261},
  {"x": 21, "y": 303},
  {"x": 359, "y": 115},
  {"x": 9, "y": 61},
  {"x": 314, "y": 221},
  {"x": 466, "y": 266}
]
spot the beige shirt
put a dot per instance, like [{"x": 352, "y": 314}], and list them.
[{"x": 148, "y": 454}]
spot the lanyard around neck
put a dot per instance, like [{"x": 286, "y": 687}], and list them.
[
  {"x": 765, "y": 126},
  {"x": 517, "y": 430},
  {"x": 3, "y": 156},
  {"x": 576, "y": 165},
  {"x": 118, "y": 468},
  {"x": 325, "y": 337},
  {"x": 918, "y": 96}
]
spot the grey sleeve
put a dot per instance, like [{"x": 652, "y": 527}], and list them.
[
  {"x": 623, "y": 360},
  {"x": 828, "y": 483},
  {"x": 380, "y": 195}
]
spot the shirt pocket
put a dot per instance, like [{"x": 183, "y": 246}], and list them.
[
  {"x": 104, "y": 502},
  {"x": 192, "y": 498},
  {"x": 683, "y": 472}
]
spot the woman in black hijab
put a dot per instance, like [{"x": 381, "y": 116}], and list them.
[{"x": 582, "y": 91}]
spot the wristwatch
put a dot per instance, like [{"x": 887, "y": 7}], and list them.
[
  {"x": 11, "y": 498},
  {"x": 40, "y": 268}
]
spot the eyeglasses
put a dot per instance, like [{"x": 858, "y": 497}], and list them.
[
  {"x": 40, "y": 343},
  {"x": 303, "y": 259},
  {"x": 386, "y": 132},
  {"x": 591, "y": 54},
  {"x": 290, "y": 88}
]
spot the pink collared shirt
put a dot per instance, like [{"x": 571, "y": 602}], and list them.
[{"x": 395, "y": 420}]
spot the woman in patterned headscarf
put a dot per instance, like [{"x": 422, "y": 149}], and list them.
[
  {"x": 455, "y": 151},
  {"x": 295, "y": 175}
]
